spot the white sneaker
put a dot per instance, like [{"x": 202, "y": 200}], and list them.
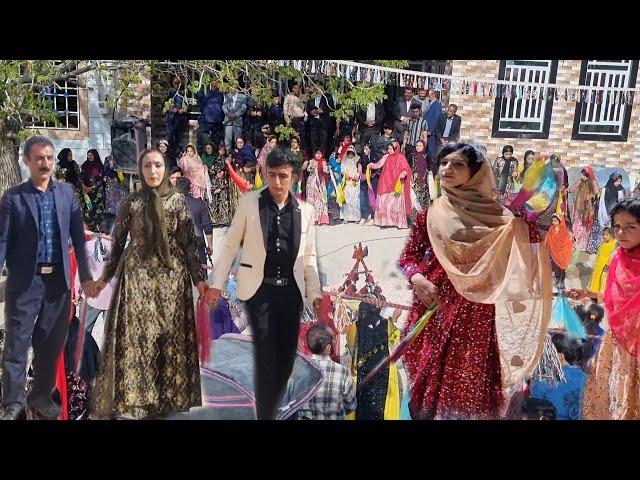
[
  {"x": 362, "y": 221},
  {"x": 369, "y": 222}
]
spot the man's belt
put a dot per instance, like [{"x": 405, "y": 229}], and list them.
[
  {"x": 46, "y": 268},
  {"x": 278, "y": 282}
]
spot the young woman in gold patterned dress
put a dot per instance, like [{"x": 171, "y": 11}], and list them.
[{"x": 149, "y": 365}]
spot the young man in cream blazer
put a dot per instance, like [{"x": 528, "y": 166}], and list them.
[{"x": 278, "y": 269}]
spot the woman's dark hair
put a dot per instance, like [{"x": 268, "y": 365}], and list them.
[
  {"x": 296, "y": 138},
  {"x": 280, "y": 157},
  {"x": 527, "y": 153},
  {"x": 507, "y": 148},
  {"x": 64, "y": 153},
  {"x": 571, "y": 348},
  {"x": 183, "y": 185},
  {"x": 271, "y": 137},
  {"x": 606, "y": 230},
  {"x": 387, "y": 126},
  {"x": 473, "y": 154},
  {"x": 539, "y": 409},
  {"x": 631, "y": 206},
  {"x": 318, "y": 337}
]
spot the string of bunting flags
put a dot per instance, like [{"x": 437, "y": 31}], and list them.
[{"x": 356, "y": 72}]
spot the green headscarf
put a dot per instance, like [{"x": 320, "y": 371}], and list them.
[
  {"x": 208, "y": 159},
  {"x": 155, "y": 230}
]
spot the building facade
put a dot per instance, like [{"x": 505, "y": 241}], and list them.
[{"x": 601, "y": 133}]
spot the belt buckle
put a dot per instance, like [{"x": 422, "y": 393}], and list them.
[
  {"x": 46, "y": 270},
  {"x": 279, "y": 281}
]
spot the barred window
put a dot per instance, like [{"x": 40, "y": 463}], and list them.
[
  {"x": 64, "y": 102},
  {"x": 524, "y": 111},
  {"x": 603, "y": 114}
]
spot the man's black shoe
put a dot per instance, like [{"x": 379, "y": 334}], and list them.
[
  {"x": 13, "y": 412},
  {"x": 42, "y": 410}
]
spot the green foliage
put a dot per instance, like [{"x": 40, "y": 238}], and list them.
[
  {"x": 284, "y": 132},
  {"x": 392, "y": 63},
  {"x": 22, "y": 83}
]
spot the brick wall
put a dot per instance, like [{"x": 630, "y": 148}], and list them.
[{"x": 477, "y": 121}]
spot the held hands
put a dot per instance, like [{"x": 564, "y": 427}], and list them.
[
  {"x": 426, "y": 291},
  {"x": 317, "y": 304},
  {"x": 93, "y": 288},
  {"x": 211, "y": 296},
  {"x": 202, "y": 288}
]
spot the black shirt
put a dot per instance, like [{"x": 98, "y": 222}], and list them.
[{"x": 279, "y": 261}]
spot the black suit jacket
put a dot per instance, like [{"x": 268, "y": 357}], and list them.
[
  {"x": 454, "y": 132},
  {"x": 327, "y": 105}
]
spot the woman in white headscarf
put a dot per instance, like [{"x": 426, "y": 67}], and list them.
[{"x": 351, "y": 179}]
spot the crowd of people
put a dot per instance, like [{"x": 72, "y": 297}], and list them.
[
  {"x": 482, "y": 271},
  {"x": 377, "y": 168}
]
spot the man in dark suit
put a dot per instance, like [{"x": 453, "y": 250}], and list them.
[
  {"x": 37, "y": 219},
  {"x": 432, "y": 116},
  {"x": 370, "y": 121},
  {"x": 202, "y": 223},
  {"x": 402, "y": 114},
  {"x": 448, "y": 131},
  {"x": 318, "y": 108},
  {"x": 449, "y": 126}
]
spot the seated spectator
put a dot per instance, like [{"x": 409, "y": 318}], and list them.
[{"x": 336, "y": 397}]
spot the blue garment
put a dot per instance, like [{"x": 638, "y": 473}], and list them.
[
  {"x": 405, "y": 413},
  {"x": 276, "y": 115},
  {"x": 337, "y": 175},
  {"x": 210, "y": 105},
  {"x": 49, "y": 247},
  {"x": 19, "y": 233},
  {"x": 565, "y": 397}
]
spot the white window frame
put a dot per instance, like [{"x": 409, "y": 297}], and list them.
[
  {"x": 607, "y": 118},
  {"x": 525, "y": 111}
]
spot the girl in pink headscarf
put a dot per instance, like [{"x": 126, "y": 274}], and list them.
[
  {"x": 196, "y": 171},
  {"x": 613, "y": 383},
  {"x": 272, "y": 142}
]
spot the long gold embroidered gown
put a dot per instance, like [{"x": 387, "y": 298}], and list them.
[{"x": 149, "y": 365}]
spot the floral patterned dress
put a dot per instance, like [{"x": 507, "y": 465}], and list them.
[{"x": 317, "y": 193}]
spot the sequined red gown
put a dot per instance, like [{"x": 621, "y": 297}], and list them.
[{"x": 454, "y": 364}]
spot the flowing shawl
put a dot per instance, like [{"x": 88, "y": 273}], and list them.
[
  {"x": 488, "y": 257},
  {"x": 622, "y": 299}
]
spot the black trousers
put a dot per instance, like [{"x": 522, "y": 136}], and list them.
[
  {"x": 209, "y": 132},
  {"x": 367, "y": 132},
  {"x": 40, "y": 317},
  {"x": 317, "y": 136},
  {"x": 274, "y": 315}
]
